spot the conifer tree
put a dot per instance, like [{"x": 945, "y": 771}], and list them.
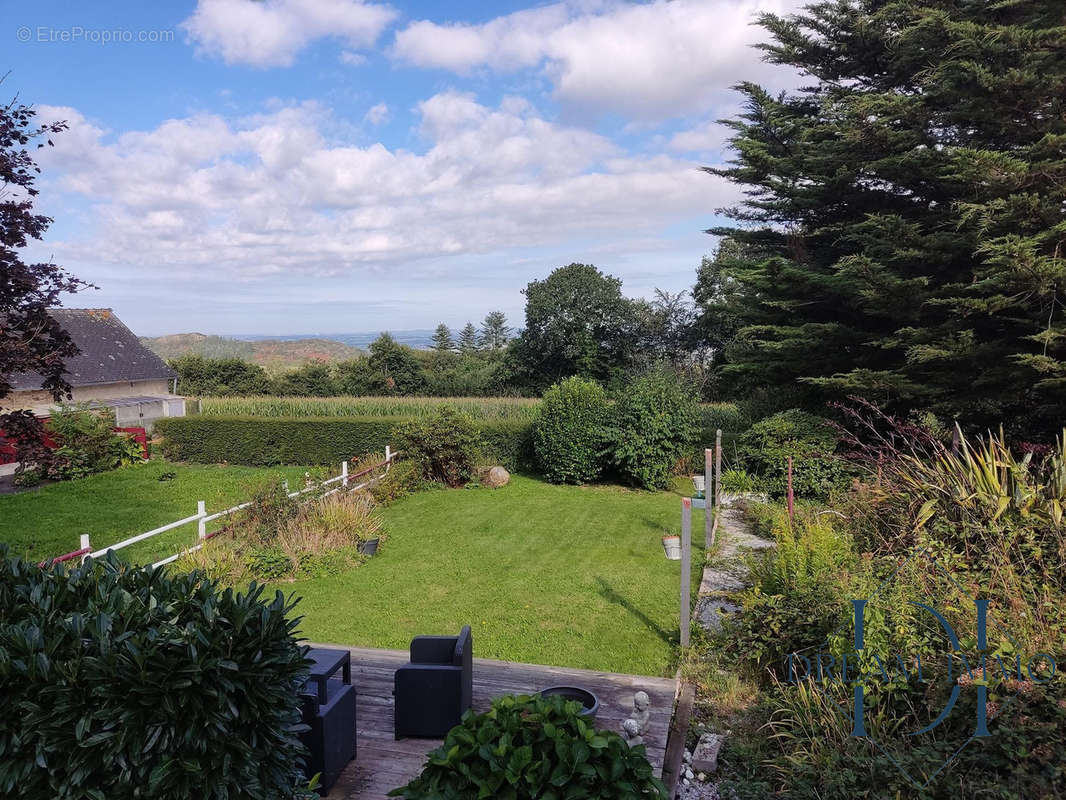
[
  {"x": 442, "y": 339},
  {"x": 904, "y": 232},
  {"x": 494, "y": 331},
  {"x": 468, "y": 339}
]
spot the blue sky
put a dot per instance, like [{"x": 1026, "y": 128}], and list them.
[{"x": 301, "y": 166}]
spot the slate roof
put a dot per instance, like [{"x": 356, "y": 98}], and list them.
[{"x": 110, "y": 352}]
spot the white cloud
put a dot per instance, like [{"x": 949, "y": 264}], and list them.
[
  {"x": 645, "y": 61},
  {"x": 377, "y": 114},
  {"x": 269, "y": 33},
  {"x": 272, "y": 194}
]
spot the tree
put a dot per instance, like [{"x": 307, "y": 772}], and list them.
[
  {"x": 30, "y": 340},
  {"x": 577, "y": 323},
  {"x": 442, "y": 339},
  {"x": 395, "y": 366},
  {"x": 494, "y": 333},
  {"x": 904, "y": 227},
  {"x": 219, "y": 376},
  {"x": 313, "y": 379},
  {"x": 468, "y": 343}
]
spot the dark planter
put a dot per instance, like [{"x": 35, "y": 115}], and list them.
[
  {"x": 369, "y": 547},
  {"x": 590, "y": 705}
]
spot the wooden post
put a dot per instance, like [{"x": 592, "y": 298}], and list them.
[
  {"x": 84, "y": 545},
  {"x": 201, "y": 525},
  {"x": 717, "y": 469},
  {"x": 388, "y": 453},
  {"x": 708, "y": 499},
  {"x": 344, "y": 474},
  {"x": 790, "y": 506},
  {"x": 686, "y": 567}
]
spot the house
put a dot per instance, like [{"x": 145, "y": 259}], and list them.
[{"x": 113, "y": 370}]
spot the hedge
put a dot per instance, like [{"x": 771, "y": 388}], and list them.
[
  {"x": 269, "y": 441},
  {"x": 123, "y": 682}
]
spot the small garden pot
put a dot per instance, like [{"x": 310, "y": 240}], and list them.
[
  {"x": 589, "y": 703},
  {"x": 672, "y": 546},
  {"x": 369, "y": 547}
]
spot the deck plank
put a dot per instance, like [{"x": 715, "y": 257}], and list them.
[{"x": 384, "y": 763}]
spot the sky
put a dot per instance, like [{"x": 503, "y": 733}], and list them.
[{"x": 326, "y": 166}]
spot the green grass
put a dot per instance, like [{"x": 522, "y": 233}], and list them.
[
  {"x": 562, "y": 575},
  {"x": 112, "y": 506}
]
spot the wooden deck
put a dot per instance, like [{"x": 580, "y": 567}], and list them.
[{"x": 382, "y": 763}]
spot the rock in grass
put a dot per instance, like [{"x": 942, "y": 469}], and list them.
[{"x": 497, "y": 477}]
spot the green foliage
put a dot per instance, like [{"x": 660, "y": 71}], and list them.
[
  {"x": 219, "y": 376},
  {"x": 395, "y": 367},
  {"x": 532, "y": 747},
  {"x": 259, "y": 441},
  {"x": 902, "y": 233},
  {"x": 739, "y": 481},
  {"x": 571, "y": 432},
  {"x": 577, "y": 323},
  {"x": 494, "y": 333},
  {"x": 764, "y": 450},
  {"x": 446, "y": 446},
  {"x": 28, "y": 478},
  {"x": 655, "y": 426},
  {"x": 402, "y": 479},
  {"x": 313, "y": 379},
  {"x": 442, "y": 339},
  {"x": 107, "y": 696},
  {"x": 518, "y": 408},
  {"x": 87, "y": 443}
]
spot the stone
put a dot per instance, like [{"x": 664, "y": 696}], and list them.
[
  {"x": 496, "y": 477},
  {"x": 631, "y": 733},
  {"x": 705, "y": 755},
  {"x": 701, "y": 777},
  {"x": 688, "y": 774}
]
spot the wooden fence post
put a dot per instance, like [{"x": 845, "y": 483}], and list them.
[
  {"x": 344, "y": 474},
  {"x": 708, "y": 499},
  {"x": 686, "y": 567},
  {"x": 201, "y": 524},
  {"x": 717, "y": 468},
  {"x": 83, "y": 544}
]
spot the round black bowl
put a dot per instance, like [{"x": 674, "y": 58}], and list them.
[{"x": 589, "y": 704}]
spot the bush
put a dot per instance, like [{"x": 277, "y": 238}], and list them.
[
  {"x": 533, "y": 747},
  {"x": 402, "y": 479},
  {"x": 570, "y": 433},
  {"x": 810, "y": 441},
  {"x": 446, "y": 446},
  {"x": 123, "y": 682},
  {"x": 87, "y": 443},
  {"x": 259, "y": 441},
  {"x": 655, "y": 426}
]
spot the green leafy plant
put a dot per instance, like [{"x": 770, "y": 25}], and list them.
[
  {"x": 123, "y": 682},
  {"x": 654, "y": 427},
  {"x": 765, "y": 448},
  {"x": 87, "y": 443},
  {"x": 532, "y": 747},
  {"x": 446, "y": 446},
  {"x": 402, "y": 479},
  {"x": 570, "y": 433},
  {"x": 738, "y": 480}
]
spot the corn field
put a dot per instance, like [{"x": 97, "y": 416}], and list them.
[{"x": 271, "y": 406}]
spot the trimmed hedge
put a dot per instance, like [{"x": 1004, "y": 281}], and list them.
[
  {"x": 269, "y": 441},
  {"x": 122, "y": 682}
]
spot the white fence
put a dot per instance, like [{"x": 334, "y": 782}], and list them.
[{"x": 201, "y": 518}]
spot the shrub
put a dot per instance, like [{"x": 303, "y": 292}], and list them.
[
  {"x": 570, "y": 433},
  {"x": 533, "y": 747},
  {"x": 87, "y": 443},
  {"x": 123, "y": 682},
  {"x": 810, "y": 441},
  {"x": 446, "y": 446},
  {"x": 402, "y": 479},
  {"x": 258, "y": 441},
  {"x": 655, "y": 425}
]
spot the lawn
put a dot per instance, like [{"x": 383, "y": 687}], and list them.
[
  {"x": 114, "y": 505},
  {"x": 562, "y": 575}
]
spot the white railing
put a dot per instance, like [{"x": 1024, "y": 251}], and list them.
[{"x": 202, "y": 518}]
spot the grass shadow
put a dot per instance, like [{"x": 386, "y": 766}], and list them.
[{"x": 608, "y": 593}]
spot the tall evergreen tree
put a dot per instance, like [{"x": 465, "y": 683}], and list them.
[
  {"x": 468, "y": 339},
  {"x": 442, "y": 339},
  {"x": 494, "y": 332},
  {"x": 904, "y": 231}
]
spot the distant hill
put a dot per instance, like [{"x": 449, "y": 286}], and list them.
[{"x": 272, "y": 354}]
